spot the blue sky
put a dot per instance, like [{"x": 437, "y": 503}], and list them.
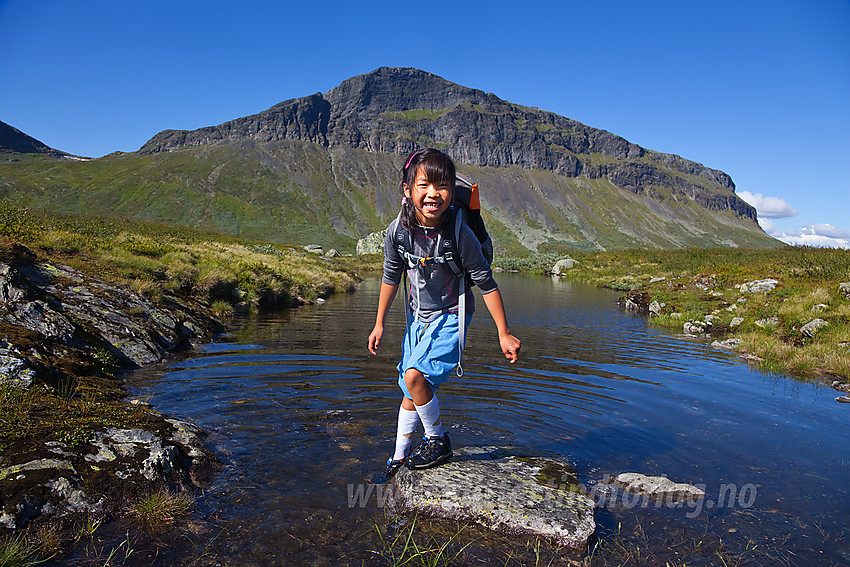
[{"x": 758, "y": 89}]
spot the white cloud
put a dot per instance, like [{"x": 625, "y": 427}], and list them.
[
  {"x": 827, "y": 229},
  {"x": 770, "y": 207},
  {"x": 821, "y": 235}
]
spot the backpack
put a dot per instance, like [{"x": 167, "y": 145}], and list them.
[{"x": 467, "y": 209}]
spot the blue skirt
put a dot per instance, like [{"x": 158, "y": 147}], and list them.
[{"x": 432, "y": 349}]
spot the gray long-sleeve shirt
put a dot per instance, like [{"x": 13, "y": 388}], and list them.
[{"x": 434, "y": 288}]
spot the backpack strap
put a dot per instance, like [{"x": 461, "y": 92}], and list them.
[
  {"x": 403, "y": 241},
  {"x": 461, "y": 300}
]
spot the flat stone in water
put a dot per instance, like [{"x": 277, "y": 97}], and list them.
[
  {"x": 657, "y": 487},
  {"x": 503, "y": 491}
]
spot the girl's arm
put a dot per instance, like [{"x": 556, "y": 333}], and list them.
[
  {"x": 510, "y": 344},
  {"x": 385, "y": 300}
]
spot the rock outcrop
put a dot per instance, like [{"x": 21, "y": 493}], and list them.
[
  {"x": 59, "y": 331},
  {"x": 504, "y": 491},
  {"x": 67, "y": 308}
]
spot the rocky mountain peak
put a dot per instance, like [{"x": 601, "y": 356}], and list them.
[{"x": 399, "y": 89}]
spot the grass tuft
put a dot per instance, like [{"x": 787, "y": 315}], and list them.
[
  {"x": 16, "y": 551},
  {"x": 161, "y": 508}
]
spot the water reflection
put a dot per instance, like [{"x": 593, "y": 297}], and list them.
[{"x": 299, "y": 409}]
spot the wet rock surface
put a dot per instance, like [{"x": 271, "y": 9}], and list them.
[{"x": 502, "y": 491}]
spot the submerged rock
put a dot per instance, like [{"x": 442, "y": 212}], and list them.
[
  {"x": 656, "y": 487},
  {"x": 490, "y": 486}
]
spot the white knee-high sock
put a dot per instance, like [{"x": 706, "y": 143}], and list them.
[
  {"x": 407, "y": 422},
  {"x": 430, "y": 416}
]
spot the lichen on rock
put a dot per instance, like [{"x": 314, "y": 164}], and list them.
[{"x": 503, "y": 491}]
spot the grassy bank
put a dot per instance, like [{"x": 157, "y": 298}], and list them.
[
  {"x": 695, "y": 283},
  {"x": 157, "y": 260}
]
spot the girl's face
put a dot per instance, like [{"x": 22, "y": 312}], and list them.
[{"x": 430, "y": 200}]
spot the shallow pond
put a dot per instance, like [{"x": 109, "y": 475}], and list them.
[{"x": 298, "y": 411}]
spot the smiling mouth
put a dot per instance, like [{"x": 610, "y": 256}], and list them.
[{"x": 432, "y": 206}]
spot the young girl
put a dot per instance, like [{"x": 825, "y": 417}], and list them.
[{"x": 430, "y": 351}]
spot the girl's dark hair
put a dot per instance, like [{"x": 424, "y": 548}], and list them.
[{"x": 438, "y": 168}]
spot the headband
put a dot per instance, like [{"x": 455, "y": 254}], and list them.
[{"x": 410, "y": 159}]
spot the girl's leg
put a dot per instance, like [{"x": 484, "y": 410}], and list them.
[
  {"x": 408, "y": 419},
  {"x": 418, "y": 387},
  {"x": 425, "y": 402}
]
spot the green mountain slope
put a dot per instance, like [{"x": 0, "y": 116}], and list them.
[{"x": 300, "y": 192}]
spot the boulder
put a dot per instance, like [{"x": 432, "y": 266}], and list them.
[
  {"x": 313, "y": 249},
  {"x": 562, "y": 265},
  {"x": 736, "y": 321},
  {"x": 372, "y": 244},
  {"x": 758, "y": 286},
  {"x": 502, "y": 491},
  {"x": 811, "y": 328}
]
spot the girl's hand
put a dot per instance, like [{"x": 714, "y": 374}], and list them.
[
  {"x": 375, "y": 339},
  {"x": 510, "y": 346}
]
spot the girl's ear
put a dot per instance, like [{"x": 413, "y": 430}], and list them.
[{"x": 406, "y": 190}]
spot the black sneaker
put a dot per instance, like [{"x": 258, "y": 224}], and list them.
[
  {"x": 389, "y": 472},
  {"x": 435, "y": 451}
]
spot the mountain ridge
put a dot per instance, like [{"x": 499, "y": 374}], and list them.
[{"x": 386, "y": 111}]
